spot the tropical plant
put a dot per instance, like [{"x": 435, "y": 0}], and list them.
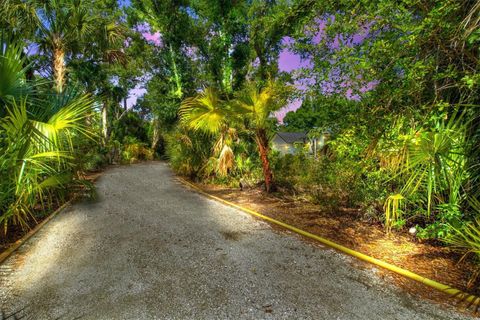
[
  {"x": 37, "y": 139},
  {"x": 258, "y": 105},
  {"x": 433, "y": 164},
  {"x": 188, "y": 152},
  {"x": 63, "y": 29},
  {"x": 13, "y": 67},
  {"x": 209, "y": 114}
]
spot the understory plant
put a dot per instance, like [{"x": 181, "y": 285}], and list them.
[
  {"x": 430, "y": 170},
  {"x": 39, "y": 131},
  {"x": 221, "y": 120}
]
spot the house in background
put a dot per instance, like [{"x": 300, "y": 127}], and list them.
[
  {"x": 285, "y": 142},
  {"x": 291, "y": 142}
]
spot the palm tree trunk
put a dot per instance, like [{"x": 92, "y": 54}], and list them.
[
  {"x": 59, "y": 68},
  {"x": 263, "y": 149}
]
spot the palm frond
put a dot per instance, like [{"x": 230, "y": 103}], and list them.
[
  {"x": 226, "y": 161},
  {"x": 205, "y": 112},
  {"x": 12, "y": 70}
]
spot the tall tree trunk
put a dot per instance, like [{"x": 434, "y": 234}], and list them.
[
  {"x": 59, "y": 68},
  {"x": 105, "y": 131},
  {"x": 178, "y": 80},
  {"x": 263, "y": 149},
  {"x": 156, "y": 133}
]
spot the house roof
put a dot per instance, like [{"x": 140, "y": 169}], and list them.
[{"x": 292, "y": 137}]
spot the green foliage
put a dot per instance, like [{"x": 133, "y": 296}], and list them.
[
  {"x": 188, "y": 152},
  {"x": 205, "y": 112},
  {"x": 332, "y": 184},
  {"x": 38, "y": 137},
  {"x": 466, "y": 239},
  {"x": 447, "y": 218},
  {"x": 135, "y": 151},
  {"x": 129, "y": 125},
  {"x": 431, "y": 171}
]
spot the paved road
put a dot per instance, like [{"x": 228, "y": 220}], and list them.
[{"x": 149, "y": 248}]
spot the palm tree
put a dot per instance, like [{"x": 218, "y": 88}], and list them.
[
  {"x": 37, "y": 138},
  {"x": 258, "y": 106},
  {"x": 62, "y": 26},
  {"x": 208, "y": 113},
  {"x": 66, "y": 28}
]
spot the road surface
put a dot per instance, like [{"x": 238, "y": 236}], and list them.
[{"x": 150, "y": 248}]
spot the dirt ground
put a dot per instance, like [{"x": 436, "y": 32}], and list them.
[{"x": 348, "y": 228}]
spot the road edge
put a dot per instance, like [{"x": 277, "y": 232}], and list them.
[{"x": 453, "y": 292}]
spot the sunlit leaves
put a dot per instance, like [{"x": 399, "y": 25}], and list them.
[{"x": 37, "y": 138}]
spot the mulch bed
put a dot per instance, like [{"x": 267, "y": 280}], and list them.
[{"x": 349, "y": 228}]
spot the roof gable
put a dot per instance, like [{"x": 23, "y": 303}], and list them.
[{"x": 292, "y": 137}]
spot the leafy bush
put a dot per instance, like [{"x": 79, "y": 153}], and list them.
[
  {"x": 448, "y": 218},
  {"x": 326, "y": 181},
  {"x": 39, "y": 135},
  {"x": 134, "y": 152},
  {"x": 188, "y": 152}
]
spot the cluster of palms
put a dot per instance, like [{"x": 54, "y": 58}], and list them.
[
  {"x": 63, "y": 30},
  {"x": 45, "y": 119},
  {"x": 250, "y": 112},
  {"x": 39, "y": 130}
]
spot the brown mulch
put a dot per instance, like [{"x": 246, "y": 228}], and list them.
[{"x": 349, "y": 228}]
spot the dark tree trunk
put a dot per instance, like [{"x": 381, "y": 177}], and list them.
[{"x": 263, "y": 149}]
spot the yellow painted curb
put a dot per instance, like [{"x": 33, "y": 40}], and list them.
[{"x": 463, "y": 296}]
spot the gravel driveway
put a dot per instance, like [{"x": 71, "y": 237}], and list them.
[{"x": 149, "y": 248}]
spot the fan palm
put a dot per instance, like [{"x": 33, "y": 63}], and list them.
[
  {"x": 66, "y": 27},
  {"x": 12, "y": 71},
  {"x": 254, "y": 107},
  {"x": 62, "y": 26},
  {"x": 258, "y": 105},
  {"x": 37, "y": 139},
  {"x": 433, "y": 164},
  {"x": 208, "y": 113}
]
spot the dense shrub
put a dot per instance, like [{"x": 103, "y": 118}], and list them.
[
  {"x": 331, "y": 183},
  {"x": 136, "y": 151},
  {"x": 188, "y": 152}
]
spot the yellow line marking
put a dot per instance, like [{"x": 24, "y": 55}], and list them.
[{"x": 471, "y": 299}]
